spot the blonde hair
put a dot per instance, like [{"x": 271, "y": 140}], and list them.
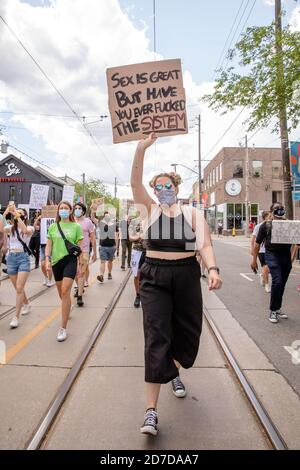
[{"x": 174, "y": 177}]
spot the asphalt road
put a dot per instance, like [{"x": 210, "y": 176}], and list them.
[{"x": 249, "y": 304}]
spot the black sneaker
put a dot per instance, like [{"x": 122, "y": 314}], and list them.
[
  {"x": 123, "y": 268},
  {"x": 150, "y": 423},
  {"x": 109, "y": 277},
  {"x": 178, "y": 388},
  {"x": 137, "y": 301},
  {"x": 273, "y": 317},
  {"x": 76, "y": 292},
  {"x": 100, "y": 278},
  {"x": 80, "y": 302}
]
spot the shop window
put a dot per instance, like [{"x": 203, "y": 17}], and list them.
[
  {"x": 12, "y": 193},
  {"x": 238, "y": 171},
  {"x": 257, "y": 167},
  {"x": 276, "y": 169},
  {"x": 276, "y": 196}
]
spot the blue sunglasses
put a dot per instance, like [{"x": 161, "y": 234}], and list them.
[{"x": 159, "y": 186}]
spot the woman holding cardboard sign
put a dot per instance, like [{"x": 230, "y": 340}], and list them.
[{"x": 170, "y": 282}]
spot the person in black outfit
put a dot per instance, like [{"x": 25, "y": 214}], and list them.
[
  {"x": 35, "y": 241},
  {"x": 278, "y": 259},
  {"x": 107, "y": 244},
  {"x": 125, "y": 242}
]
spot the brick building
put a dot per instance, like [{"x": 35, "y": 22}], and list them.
[{"x": 224, "y": 185}]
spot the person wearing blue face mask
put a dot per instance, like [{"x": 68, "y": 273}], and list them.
[
  {"x": 63, "y": 264},
  {"x": 170, "y": 289},
  {"x": 278, "y": 259}
]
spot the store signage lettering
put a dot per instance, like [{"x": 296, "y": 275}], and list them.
[
  {"x": 12, "y": 180},
  {"x": 12, "y": 169}
]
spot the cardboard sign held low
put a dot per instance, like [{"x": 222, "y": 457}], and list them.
[
  {"x": 145, "y": 98},
  {"x": 49, "y": 212},
  {"x": 286, "y": 231}
]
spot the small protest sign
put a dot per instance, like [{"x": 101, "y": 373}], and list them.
[
  {"x": 24, "y": 206},
  {"x": 38, "y": 196},
  {"x": 286, "y": 231},
  {"x": 45, "y": 225},
  {"x": 49, "y": 212},
  {"x": 68, "y": 194},
  {"x": 147, "y": 97}
]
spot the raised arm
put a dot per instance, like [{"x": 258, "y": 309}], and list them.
[{"x": 140, "y": 194}]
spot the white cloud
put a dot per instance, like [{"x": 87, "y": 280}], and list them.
[
  {"x": 295, "y": 20},
  {"x": 74, "y": 41}
]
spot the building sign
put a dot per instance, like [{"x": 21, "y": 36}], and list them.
[
  {"x": 147, "y": 97},
  {"x": 12, "y": 169},
  {"x": 233, "y": 187},
  {"x": 12, "y": 180},
  {"x": 286, "y": 231}
]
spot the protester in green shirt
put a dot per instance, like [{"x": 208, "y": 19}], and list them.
[{"x": 63, "y": 265}]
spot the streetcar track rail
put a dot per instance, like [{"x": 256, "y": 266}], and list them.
[
  {"x": 265, "y": 420},
  {"x": 41, "y": 432}
]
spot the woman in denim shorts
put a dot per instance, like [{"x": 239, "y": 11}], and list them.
[
  {"x": 18, "y": 259},
  {"x": 107, "y": 245}
]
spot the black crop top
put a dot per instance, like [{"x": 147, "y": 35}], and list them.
[{"x": 170, "y": 234}]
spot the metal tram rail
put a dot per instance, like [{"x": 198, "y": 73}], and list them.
[{"x": 39, "y": 436}]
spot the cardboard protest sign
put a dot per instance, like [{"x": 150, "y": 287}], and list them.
[
  {"x": 49, "y": 212},
  {"x": 38, "y": 196},
  {"x": 286, "y": 231},
  {"x": 68, "y": 194},
  {"x": 145, "y": 98},
  {"x": 45, "y": 225}
]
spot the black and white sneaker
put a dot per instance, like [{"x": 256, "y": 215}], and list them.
[
  {"x": 178, "y": 388},
  {"x": 109, "y": 277},
  {"x": 280, "y": 314},
  {"x": 150, "y": 423},
  {"x": 80, "y": 302},
  {"x": 273, "y": 317},
  {"x": 137, "y": 301},
  {"x": 75, "y": 292},
  {"x": 100, "y": 278}
]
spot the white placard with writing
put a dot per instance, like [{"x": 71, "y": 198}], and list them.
[
  {"x": 286, "y": 231},
  {"x": 45, "y": 225},
  {"x": 38, "y": 196},
  {"x": 68, "y": 194}
]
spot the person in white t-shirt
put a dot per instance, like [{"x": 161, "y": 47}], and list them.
[
  {"x": 18, "y": 259},
  {"x": 264, "y": 276}
]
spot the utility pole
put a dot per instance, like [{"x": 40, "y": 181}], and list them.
[
  {"x": 247, "y": 186},
  {"x": 281, "y": 100},
  {"x": 83, "y": 188},
  {"x": 199, "y": 160},
  {"x": 115, "y": 187}
]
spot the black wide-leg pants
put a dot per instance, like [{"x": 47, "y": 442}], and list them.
[{"x": 172, "y": 312}]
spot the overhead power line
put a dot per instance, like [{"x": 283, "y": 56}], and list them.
[
  {"x": 228, "y": 37},
  {"x": 74, "y": 113}
]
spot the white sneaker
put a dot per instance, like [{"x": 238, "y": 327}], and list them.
[
  {"x": 45, "y": 281},
  {"x": 26, "y": 309},
  {"x": 280, "y": 314},
  {"x": 268, "y": 288},
  {"x": 62, "y": 334},
  {"x": 14, "y": 323},
  {"x": 50, "y": 283},
  {"x": 261, "y": 280}
]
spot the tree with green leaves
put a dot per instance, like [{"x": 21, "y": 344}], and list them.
[
  {"x": 94, "y": 189},
  {"x": 264, "y": 80}
]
